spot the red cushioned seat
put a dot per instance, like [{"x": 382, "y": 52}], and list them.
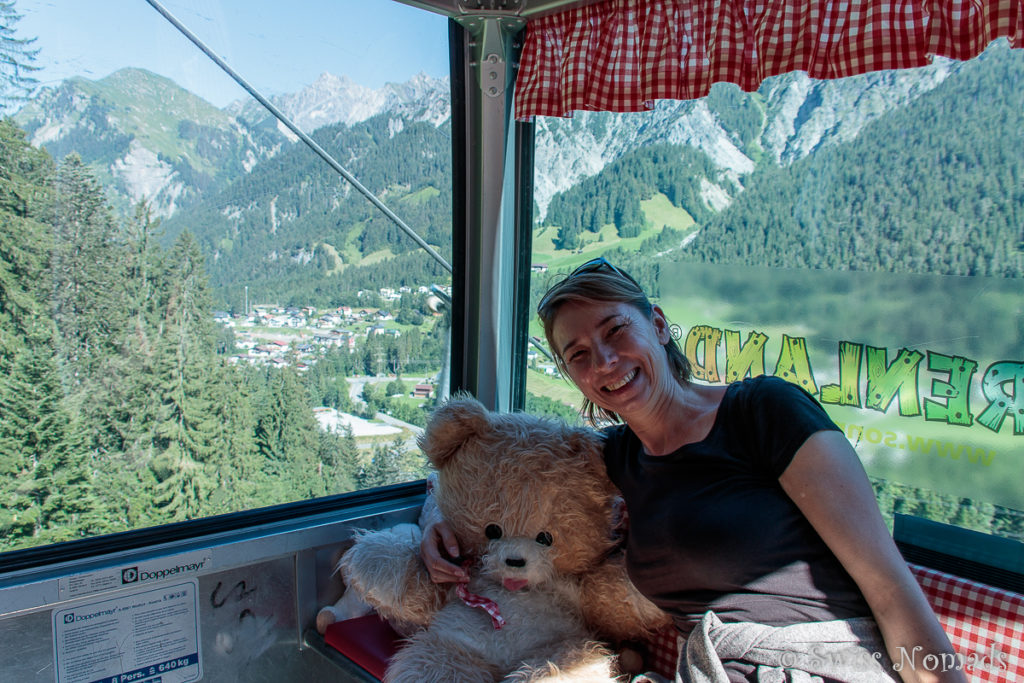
[
  {"x": 985, "y": 625},
  {"x": 368, "y": 641}
]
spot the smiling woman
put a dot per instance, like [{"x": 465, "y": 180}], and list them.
[
  {"x": 748, "y": 509},
  {"x": 614, "y": 326}
]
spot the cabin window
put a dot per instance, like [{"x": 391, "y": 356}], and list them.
[
  {"x": 197, "y": 314},
  {"x": 861, "y": 237}
]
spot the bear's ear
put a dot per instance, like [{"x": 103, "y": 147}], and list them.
[
  {"x": 589, "y": 446},
  {"x": 451, "y": 425}
]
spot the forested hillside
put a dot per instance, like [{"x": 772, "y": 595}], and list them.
[
  {"x": 614, "y": 195},
  {"x": 934, "y": 187},
  {"x": 295, "y": 232},
  {"x": 930, "y": 187},
  {"x": 144, "y": 137},
  {"x": 118, "y": 409}
]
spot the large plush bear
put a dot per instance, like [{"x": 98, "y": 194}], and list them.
[{"x": 534, "y": 511}]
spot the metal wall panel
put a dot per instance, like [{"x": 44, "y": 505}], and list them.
[{"x": 262, "y": 592}]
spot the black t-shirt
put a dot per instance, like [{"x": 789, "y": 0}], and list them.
[{"x": 710, "y": 527}]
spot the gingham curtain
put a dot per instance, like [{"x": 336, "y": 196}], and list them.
[{"x": 622, "y": 55}]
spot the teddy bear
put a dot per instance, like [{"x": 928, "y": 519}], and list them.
[{"x": 533, "y": 509}]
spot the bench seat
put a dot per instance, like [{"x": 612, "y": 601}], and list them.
[
  {"x": 369, "y": 641},
  {"x": 985, "y": 625}
]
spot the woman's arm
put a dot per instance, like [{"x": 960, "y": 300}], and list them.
[{"x": 827, "y": 482}]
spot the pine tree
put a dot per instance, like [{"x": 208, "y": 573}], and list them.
[
  {"x": 236, "y": 460},
  {"x": 36, "y": 438},
  {"x": 142, "y": 266},
  {"x": 16, "y": 59},
  {"x": 338, "y": 461},
  {"x": 187, "y": 432},
  {"x": 129, "y": 412},
  {"x": 42, "y": 454},
  {"x": 287, "y": 436},
  {"x": 24, "y": 240},
  {"x": 86, "y": 271},
  {"x": 386, "y": 466}
]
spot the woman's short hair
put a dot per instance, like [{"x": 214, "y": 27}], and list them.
[{"x": 599, "y": 281}]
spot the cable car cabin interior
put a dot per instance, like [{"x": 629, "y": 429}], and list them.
[{"x": 248, "y": 247}]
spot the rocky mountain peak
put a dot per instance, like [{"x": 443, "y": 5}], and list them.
[
  {"x": 337, "y": 99},
  {"x": 123, "y": 120}
]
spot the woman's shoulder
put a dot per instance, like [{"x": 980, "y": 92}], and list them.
[
  {"x": 772, "y": 399},
  {"x": 776, "y": 403},
  {"x": 763, "y": 387}
]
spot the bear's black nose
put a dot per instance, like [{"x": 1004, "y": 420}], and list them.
[{"x": 515, "y": 562}]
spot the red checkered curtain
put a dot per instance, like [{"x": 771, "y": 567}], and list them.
[{"x": 623, "y": 55}]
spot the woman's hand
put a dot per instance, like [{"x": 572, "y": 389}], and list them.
[{"x": 438, "y": 549}]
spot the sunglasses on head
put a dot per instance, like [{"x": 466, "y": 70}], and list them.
[
  {"x": 591, "y": 266},
  {"x": 594, "y": 265}
]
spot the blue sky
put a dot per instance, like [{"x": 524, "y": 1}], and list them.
[{"x": 277, "y": 45}]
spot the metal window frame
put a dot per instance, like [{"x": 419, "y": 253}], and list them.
[
  {"x": 993, "y": 560},
  {"x": 492, "y": 181},
  {"x": 492, "y": 186}
]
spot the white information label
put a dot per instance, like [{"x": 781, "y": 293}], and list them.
[
  {"x": 179, "y": 567},
  {"x": 150, "y": 636}
]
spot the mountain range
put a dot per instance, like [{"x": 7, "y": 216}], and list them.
[
  {"x": 264, "y": 208},
  {"x": 149, "y": 139}
]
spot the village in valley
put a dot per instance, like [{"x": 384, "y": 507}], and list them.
[
  {"x": 296, "y": 336},
  {"x": 299, "y": 336},
  {"x": 269, "y": 334}
]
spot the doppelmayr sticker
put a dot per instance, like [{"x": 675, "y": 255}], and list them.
[
  {"x": 174, "y": 567},
  {"x": 148, "y": 635}
]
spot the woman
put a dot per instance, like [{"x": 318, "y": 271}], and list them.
[{"x": 752, "y": 521}]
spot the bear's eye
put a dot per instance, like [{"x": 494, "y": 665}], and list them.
[
  {"x": 544, "y": 538},
  {"x": 493, "y": 532}
]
